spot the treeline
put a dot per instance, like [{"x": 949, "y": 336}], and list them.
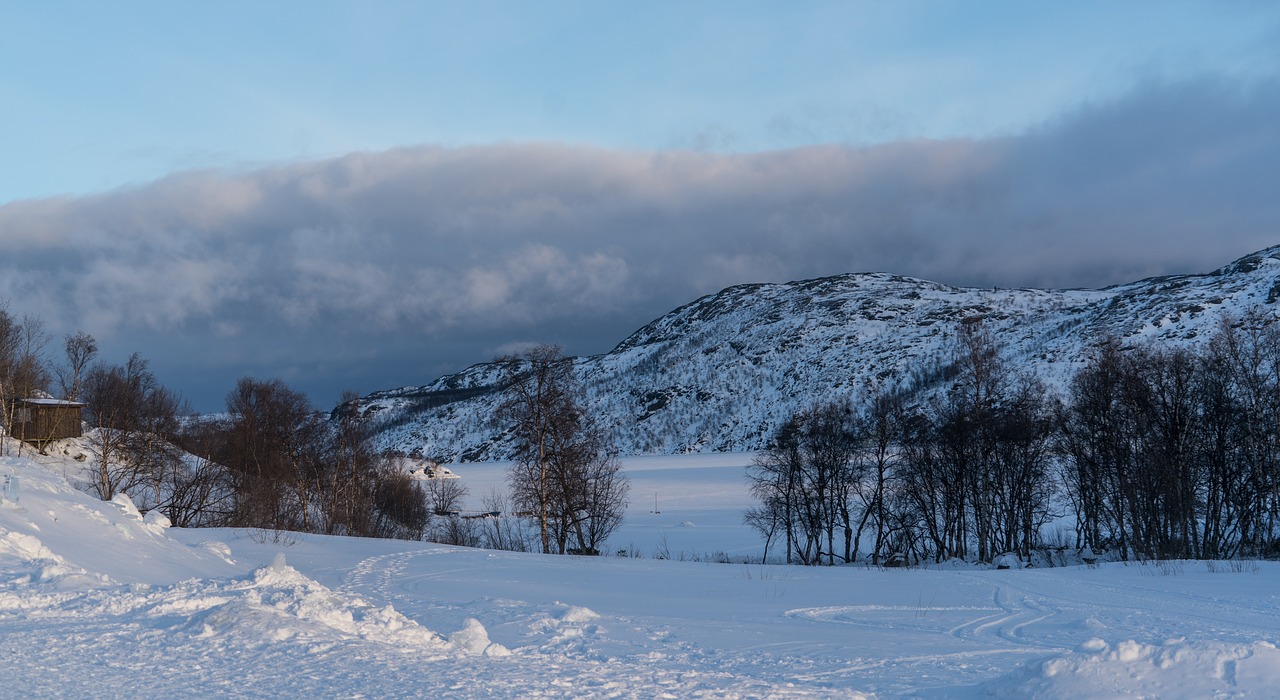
[
  {"x": 285, "y": 466},
  {"x": 272, "y": 461},
  {"x": 1157, "y": 453}
]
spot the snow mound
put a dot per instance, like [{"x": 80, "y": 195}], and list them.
[
  {"x": 110, "y": 540},
  {"x": 473, "y": 639},
  {"x": 24, "y": 559},
  {"x": 577, "y": 614},
  {"x": 1175, "y": 668},
  {"x": 24, "y": 546},
  {"x": 276, "y": 603},
  {"x": 219, "y": 549},
  {"x": 70, "y": 556},
  {"x": 124, "y": 503},
  {"x": 157, "y": 521},
  {"x": 1008, "y": 560}
]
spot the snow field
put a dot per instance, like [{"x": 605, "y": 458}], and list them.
[{"x": 96, "y": 601}]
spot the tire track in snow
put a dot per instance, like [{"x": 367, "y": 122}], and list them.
[
  {"x": 1019, "y": 612},
  {"x": 994, "y": 634},
  {"x": 1088, "y": 608}
]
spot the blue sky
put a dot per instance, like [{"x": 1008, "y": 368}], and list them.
[
  {"x": 368, "y": 195},
  {"x": 100, "y": 95}
]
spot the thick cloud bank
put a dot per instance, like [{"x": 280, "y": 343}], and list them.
[{"x": 382, "y": 269}]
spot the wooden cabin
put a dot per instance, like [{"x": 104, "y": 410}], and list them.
[{"x": 42, "y": 420}]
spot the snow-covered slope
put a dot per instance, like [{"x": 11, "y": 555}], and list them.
[
  {"x": 96, "y": 601},
  {"x": 721, "y": 373}
]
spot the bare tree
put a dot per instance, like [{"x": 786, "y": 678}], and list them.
[
  {"x": 270, "y": 443},
  {"x": 775, "y": 477},
  {"x": 882, "y": 417},
  {"x": 10, "y": 335},
  {"x": 445, "y": 496},
  {"x": 537, "y": 407},
  {"x": 134, "y": 418},
  {"x": 766, "y": 519},
  {"x": 563, "y": 472},
  {"x": 806, "y": 480},
  {"x": 592, "y": 493},
  {"x": 80, "y": 349},
  {"x": 349, "y": 472},
  {"x": 399, "y": 508}
]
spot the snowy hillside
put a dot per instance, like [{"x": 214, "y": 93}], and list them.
[
  {"x": 721, "y": 373},
  {"x": 96, "y": 601}
]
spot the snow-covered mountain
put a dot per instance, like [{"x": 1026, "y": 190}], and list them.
[{"x": 719, "y": 374}]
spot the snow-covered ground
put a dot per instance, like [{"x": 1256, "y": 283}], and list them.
[
  {"x": 95, "y": 601},
  {"x": 699, "y": 502}
]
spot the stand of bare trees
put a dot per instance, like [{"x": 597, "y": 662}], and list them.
[
  {"x": 291, "y": 469},
  {"x": 197, "y": 489},
  {"x": 1169, "y": 454},
  {"x": 274, "y": 462},
  {"x": 975, "y": 465},
  {"x": 1157, "y": 453},
  {"x": 967, "y": 475},
  {"x": 136, "y": 427},
  {"x": 806, "y": 482},
  {"x": 564, "y": 476}
]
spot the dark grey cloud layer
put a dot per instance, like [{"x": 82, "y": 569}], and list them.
[{"x": 383, "y": 269}]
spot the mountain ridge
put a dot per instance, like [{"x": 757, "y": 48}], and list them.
[{"x": 721, "y": 372}]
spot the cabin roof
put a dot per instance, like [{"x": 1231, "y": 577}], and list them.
[{"x": 50, "y": 402}]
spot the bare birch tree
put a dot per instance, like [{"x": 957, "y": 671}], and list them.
[{"x": 564, "y": 474}]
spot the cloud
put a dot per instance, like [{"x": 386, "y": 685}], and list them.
[{"x": 416, "y": 260}]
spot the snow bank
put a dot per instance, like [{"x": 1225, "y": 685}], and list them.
[
  {"x": 25, "y": 560},
  {"x": 107, "y": 540},
  {"x": 574, "y": 613},
  {"x": 57, "y": 549},
  {"x": 1175, "y": 668}
]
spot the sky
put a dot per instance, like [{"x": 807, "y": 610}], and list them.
[{"x": 369, "y": 195}]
